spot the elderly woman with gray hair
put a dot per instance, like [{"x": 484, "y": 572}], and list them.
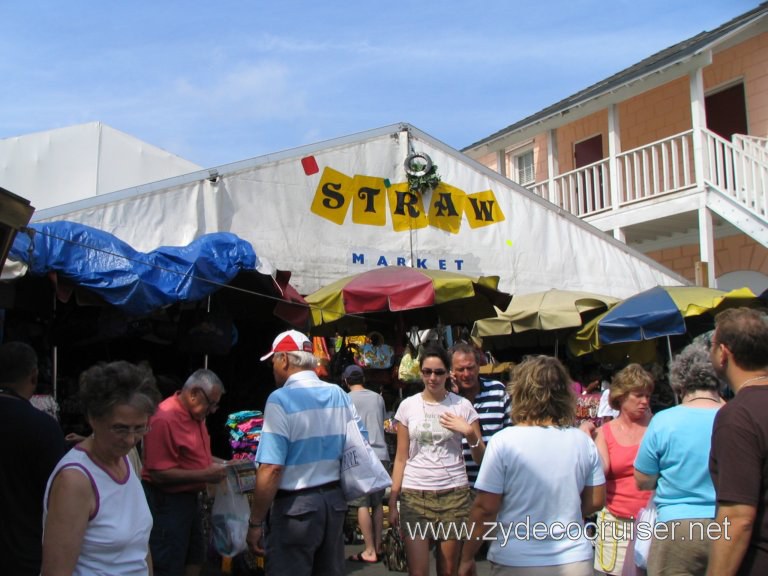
[{"x": 674, "y": 459}]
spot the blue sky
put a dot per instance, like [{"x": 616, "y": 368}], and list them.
[{"x": 218, "y": 82}]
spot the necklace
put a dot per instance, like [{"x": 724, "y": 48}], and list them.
[
  {"x": 750, "y": 380},
  {"x": 433, "y": 402},
  {"x": 715, "y": 400}
]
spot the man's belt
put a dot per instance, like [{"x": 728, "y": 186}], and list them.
[{"x": 321, "y": 488}]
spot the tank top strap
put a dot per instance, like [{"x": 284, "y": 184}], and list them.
[{"x": 610, "y": 439}]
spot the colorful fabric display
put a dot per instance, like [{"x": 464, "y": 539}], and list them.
[{"x": 245, "y": 433}]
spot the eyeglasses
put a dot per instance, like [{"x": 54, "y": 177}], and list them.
[
  {"x": 428, "y": 372},
  {"x": 124, "y": 431},
  {"x": 212, "y": 406}
]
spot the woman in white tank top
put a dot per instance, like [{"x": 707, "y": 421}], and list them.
[{"x": 96, "y": 518}]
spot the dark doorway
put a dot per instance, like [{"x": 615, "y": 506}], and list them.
[
  {"x": 590, "y": 183},
  {"x": 727, "y": 112}
]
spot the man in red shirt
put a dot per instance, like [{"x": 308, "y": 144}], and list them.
[{"x": 177, "y": 466}]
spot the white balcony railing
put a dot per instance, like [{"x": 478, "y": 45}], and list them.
[
  {"x": 738, "y": 170},
  {"x": 662, "y": 167},
  {"x": 581, "y": 192},
  {"x": 752, "y": 145}
]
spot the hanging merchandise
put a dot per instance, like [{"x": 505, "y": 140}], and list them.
[
  {"x": 320, "y": 351},
  {"x": 408, "y": 371},
  {"x": 341, "y": 359},
  {"x": 375, "y": 353}
]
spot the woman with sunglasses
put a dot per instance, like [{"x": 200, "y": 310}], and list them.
[
  {"x": 428, "y": 477},
  {"x": 96, "y": 517}
]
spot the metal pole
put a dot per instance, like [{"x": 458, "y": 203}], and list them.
[
  {"x": 669, "y": 352},
  {"x": 55, "y": 359},
  {"x": 208, "y": 310}
]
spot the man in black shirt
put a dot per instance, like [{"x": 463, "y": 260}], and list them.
[{"x": 32, "y": 445}]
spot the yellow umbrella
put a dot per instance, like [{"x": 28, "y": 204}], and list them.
[{"x": 549, "y": 310}]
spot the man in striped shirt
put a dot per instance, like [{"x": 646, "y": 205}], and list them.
[
  {"x": 489, "y": 397},
  {"x": 299, "y": 460}
]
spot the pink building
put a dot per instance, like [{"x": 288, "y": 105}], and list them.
[{"x": 669, "y": 155}]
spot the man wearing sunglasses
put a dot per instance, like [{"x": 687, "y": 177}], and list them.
[{"x": 177, "y": 465}]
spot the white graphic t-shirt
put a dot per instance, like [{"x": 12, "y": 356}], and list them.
[{"x": 435, "y": 459}]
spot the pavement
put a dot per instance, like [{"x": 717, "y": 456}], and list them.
[
  {"x": 378, "y": 569},
  {"x": 213, "y": 568}
]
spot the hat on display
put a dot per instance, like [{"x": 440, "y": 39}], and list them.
[
  {"x": 289, "y": 341},
  {"x": 353, "y": 373}
]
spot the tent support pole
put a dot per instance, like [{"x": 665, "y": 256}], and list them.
[
  {"x": 208, "y": 310},
  {"x": 55, "y": 360},
  {"x": 669, "y": 353}
]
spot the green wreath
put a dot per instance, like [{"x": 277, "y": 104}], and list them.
[{"x": 422, "y": 173}]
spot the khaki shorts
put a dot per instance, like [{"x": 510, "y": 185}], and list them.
[
  {"x": 371, "y": 500},
  {"x": 445, "y": 510},
  {"x": 688, "y": 553}
]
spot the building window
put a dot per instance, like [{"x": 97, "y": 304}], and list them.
[{"x": 525, "y": 174}]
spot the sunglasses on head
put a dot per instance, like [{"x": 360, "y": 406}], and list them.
[{"x": 430, "y": 371}]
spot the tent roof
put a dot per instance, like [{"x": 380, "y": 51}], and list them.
[
  {"x": 330, "y": 209},
  {"x": 67, "y": 164}
]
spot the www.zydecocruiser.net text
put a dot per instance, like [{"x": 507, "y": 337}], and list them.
[{"x": 531, "y": 530}]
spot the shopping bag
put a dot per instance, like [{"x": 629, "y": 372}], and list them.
[
  {"x": 393, "y": 549},
  {"x": 646, "y": 516},
  {"x": 229, "y": 519},
  {"x": 361, "y": 471}
]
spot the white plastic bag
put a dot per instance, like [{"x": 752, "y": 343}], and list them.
[
  {"x": 229, "y": 519},
  {"x": 646, "y": 516},
  {"x": 361, "y": 471}
]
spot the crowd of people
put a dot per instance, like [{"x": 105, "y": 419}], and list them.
[{"x": 478, "y": 464}]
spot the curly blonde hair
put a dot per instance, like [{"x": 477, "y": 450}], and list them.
[
  {"x": 540, "y": 392},
  {"x": 632, "y": 378}
]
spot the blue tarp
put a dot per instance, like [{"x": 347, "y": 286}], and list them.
[{"x": 135, "y": 282}]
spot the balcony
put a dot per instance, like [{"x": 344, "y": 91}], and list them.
[{"x": 736, "y": 172}]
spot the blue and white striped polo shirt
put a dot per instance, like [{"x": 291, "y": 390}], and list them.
[{"x": 304, "y": 430}]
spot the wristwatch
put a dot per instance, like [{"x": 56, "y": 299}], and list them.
[{"x": 255, "y": 524}]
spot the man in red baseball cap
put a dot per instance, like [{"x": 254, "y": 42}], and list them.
[
  {"x": 299, "y": 458},
  {"x": 289, "y": 341}
]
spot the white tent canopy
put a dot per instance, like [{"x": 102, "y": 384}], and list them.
[
  {"x": 68, "y": 164},
  {"x": 339, "y": 207}
]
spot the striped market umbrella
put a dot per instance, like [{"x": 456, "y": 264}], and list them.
[
  {"x": 418, "y": 297},
  {"x": 655, "y": 313}
]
